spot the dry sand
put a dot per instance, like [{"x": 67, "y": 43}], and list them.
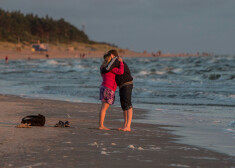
[
  {"x": 54, "y": 54},
  {"x": 63, "y": 51},
  {"x": 82, "y": 145},
  {"x": 75, "y": 50},
  {"x": 24, "y": 55}
]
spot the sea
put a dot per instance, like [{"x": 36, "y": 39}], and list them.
[{"x": 195, "y": 94}]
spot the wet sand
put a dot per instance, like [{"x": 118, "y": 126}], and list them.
[{"x": 82, "y": 145}]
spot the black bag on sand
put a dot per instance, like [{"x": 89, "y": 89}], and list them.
[{"x": 34, "y": 120}]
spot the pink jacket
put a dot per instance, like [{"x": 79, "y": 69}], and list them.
[{"x": 109, "y": 77}]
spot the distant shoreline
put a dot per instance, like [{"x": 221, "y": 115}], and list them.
[
  {"x": 25, "y": 55},
  {"x": 76, "y": 50}
]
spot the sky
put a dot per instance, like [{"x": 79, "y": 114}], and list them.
[{"x": 172, "y": 26}]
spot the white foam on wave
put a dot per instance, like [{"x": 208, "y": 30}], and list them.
[
  {"x": 177, "y": 70},
  {"x": 160, "y": 72},
  {"x": 78, "y": 68},
  {"x": 52, "y": 62},
  {"x": 143, "y": 72},
  {"x": 144, "y": 60},
  {"x": 231, "y": 128},
  {"x": 159, "y": 109},
  {"x": 232, "y": 124},
  {"x": 231, "y": 96}
]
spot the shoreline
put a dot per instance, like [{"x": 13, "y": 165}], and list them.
[
  {"x": 27, "y": 55},
  {"x": 57, "y": 54},
  {"x": 73, "y": 50},
  {"x": 82, "y": 145},
  {"x": 78, "y": 50}
]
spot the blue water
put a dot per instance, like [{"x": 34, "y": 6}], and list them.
[{"x": 197, "y": 93}]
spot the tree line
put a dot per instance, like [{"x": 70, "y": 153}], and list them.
[{"x": 18, "y": 27}]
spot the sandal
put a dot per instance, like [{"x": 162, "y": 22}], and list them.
[
  {"x": 60, "y": 124},
  {"x": 66, "y": 124}
]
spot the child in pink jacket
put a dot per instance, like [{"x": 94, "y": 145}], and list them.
[{"x": 108, "y": 87}]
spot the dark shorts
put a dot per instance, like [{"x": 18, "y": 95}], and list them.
[
  {"x": 107, "y": 95},
  {"x": 125, "y": 94}
]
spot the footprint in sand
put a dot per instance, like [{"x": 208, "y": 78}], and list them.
[
  {"x": 131, "y": 147},
  {"x": 67, "y": 142},
  {"x": 179, "y": 165},
  {"x": 113, "y": 144},
  {"x": 155, "y": 148},
  {"x": 140, "y": 148},
  {"x": 94, "y": 144},
  {"x": 104, "y": 153}
]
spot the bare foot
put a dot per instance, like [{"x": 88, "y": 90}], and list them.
[
  {"x": 124, "y": 129},
  {"x": 120, "y": 129},
  {"x": 103, "y": 128}
]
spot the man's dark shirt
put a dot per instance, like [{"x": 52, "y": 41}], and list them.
[{"x": 120, "y": 79}]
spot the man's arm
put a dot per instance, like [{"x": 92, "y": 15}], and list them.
[
  {"x": 120, "y": 70},
  {"x": 113, "y": 63}
]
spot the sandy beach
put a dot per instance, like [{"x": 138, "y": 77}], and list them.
[
  {"x": 75, "y": 50},
  {"x": 54, "y": 54},
  {"x": 82, "y": 145}
]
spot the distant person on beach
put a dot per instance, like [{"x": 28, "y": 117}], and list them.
[
  {"x": 82, "y": 55},
  {"x": 125, "y": 83},
  {"x": 108, "y": 87},
  {"x": 6, "y": 59}
]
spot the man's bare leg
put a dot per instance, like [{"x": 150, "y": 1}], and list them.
[
  {"x": 103, "y": 109},
  {"x": 125, "y": 120},
  {"x": 129, "y": 119}
]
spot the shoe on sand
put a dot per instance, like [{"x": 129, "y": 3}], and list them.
[
  {"x": 66, "y": 124},
  {"x": 60, "y": 124}
]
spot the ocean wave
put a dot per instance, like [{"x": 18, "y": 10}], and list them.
[
  {"x": 79, "y": 68},
  {"x": 160, "y": 72},
  {"x": 62, "y": 63},
  {"x": 52, "y": 62},
  {"x": 218, "y": 76},
  {"x": 232, "y": 96},
  {"x": 232, "y": 124},
  {"x": 184, "y": 104},
  {"x": 231, "y": 77},
  {"x": 144, "y": 72},
  {"x": 15, "y": 72},
  {"x": 172, "y": 79},
  {"x": 214, "y": 76}
]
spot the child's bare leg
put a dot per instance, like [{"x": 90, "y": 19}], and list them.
[
  {"x": 129, "y": 119},
  {"x": 103, "y": 109}
]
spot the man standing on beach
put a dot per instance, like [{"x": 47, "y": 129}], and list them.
[{"x": 125, "y": 83}]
